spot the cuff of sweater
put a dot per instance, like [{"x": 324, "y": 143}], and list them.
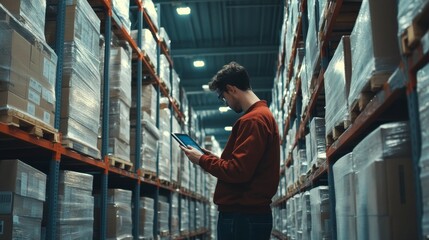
[{"x": 203, "y": 161}]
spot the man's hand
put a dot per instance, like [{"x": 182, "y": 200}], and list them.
[{"x": 192, "y": 153}]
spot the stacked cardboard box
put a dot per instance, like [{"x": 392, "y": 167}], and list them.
[
  {"x": 146, "y": 218},
  {"x": 163, "y": 215},
  {"x": 337, "y": 86},
  {"x": 122, "y": 10},
  {"x": 119, "y": 219},
  {"x": 423, "y": 98},
  {"x": 75, "y": 206},
  {"x": 385, "y": 190},
  {"x": 22, "y": 193},
  {"x": 320, "y": 213},
  {"x": 345, "y": 197},
  {"x": 27, "y": 72},
  {"x": 381, "y": 56},
  {"x": 80, "y": 106}
]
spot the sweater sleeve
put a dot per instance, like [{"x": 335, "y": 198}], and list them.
[{"x": 248, "y": 151}]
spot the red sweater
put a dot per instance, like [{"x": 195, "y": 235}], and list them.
[{"x": 248, "y": 170}]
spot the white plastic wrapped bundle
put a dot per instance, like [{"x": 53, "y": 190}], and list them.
[
  {"x": 308, "y": 150},
  {"x": 385, "y": 184},
  {"x": 306, "y": 215},
  {"x": 122, "y": 10},
  {"x": 337, "y": 83},
  {"x": 304, "y": 84},
  {"x": 148, "y": 44},
  {"x": 407, "y": 10},
  {"x": 148, "y": 104},
  {"x": 174, "y": 214},
  {"x": 298, "y": 216},
  {"x": 292, "y": 218},
  {"x": 31, "y": 13},
  {"x": 163, "y": 36},
  {"x": 293, "y": 16},
  {"x": 164, "y": 70},
  {"x": 185, "y": 172},
  {"x": 311, "y": 43},
  {"x": 323, "y": 8},
  {"x": 300, "y": 53},
  {"x": 146, "y": 218},
  {"x": 290, "y": 179},
  {"x": 116, "y": 195},
  {"x": 290, "y": 33},
  {"x": 345, "y": 197},
  {"x": 199, "y": 212},
  {"x": 192, "y": 215},
  {"x": 164, "y": 163},
  {"x": 184, "y": 217},
  {"x": 318, "y": 142},
  {"x": 288, "y": 218},
  {"x": 150, "y": 9},
  {"x": 192, "y": 177},
  {"x": 390, "y": 140},
  {"x": 176, "y": 153},
  {"x": 119, "y": 120},
  {"x": 16, "y": 205},
  {"x": 81, "y": 230},
  {"x": 423, "y": 98},
  {"x": 176, "y": 86},
  {"x": 381, "y": 55},
  {"x": 119, "y": 223},
  {"x": 320, "y": 213}
]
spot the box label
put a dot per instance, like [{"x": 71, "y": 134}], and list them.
[
  {"x": 46, "y": 117},
  {"x": 34, "y": 96},
  {"x": 35, "y": 85},
  {"x": 31, "y": 109}
]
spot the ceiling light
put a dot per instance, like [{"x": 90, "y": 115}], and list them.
[
  {"x": 183, "y": 10},
  {"x": 224, "y": 109},
  {"x": 199, "y": 63},
  {"x": 205, "y": 87},
  {"x": 228, "y": 128}
]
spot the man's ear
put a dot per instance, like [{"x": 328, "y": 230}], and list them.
[{"x": 230, "y": 88}]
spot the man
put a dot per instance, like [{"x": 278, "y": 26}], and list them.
[{"x": 248, "y": 169}]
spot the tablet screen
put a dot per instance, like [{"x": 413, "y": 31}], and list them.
[{"x": 185, "y": 140}]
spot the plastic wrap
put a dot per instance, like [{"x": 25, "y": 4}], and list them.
[
  {"x": 318, "y": 142},
  {"x": 81, "y": 209},
  {"x": 119, "y": 221},
  {"x": 163, "y": 36},
  {"x": 164, "y": 72},
  {"x": 323, "y": 9},
  {"x": 119, "y": 196},
  {"x": 148, "y": 104},
  {"x": 119, "y": 149},
  {"x": 192, "y": 215},
  {"x": 22, "y": 179},
  {"x": 407, "y": 11},
  {"x": 381, "y": 55},
  {"x": 146, "y": 218},
  {"x": 423, "y": 99},
  {"x": 345, "y": 197},
  {"x": 150, "y": 9},
  {"x": 176, "y": 86},
  {"x": 122, "y": 10},
  {"x": 337, "y": 82},
  {"x": 119, "y": 121},
  {"x": 176, "y": 154},
  {"x": 306, "y": 215},
  {"x": 184, "y": 217},
  {"x": 31, "y": 13},
  {"x": 17, "y": 227},
  {"x": 390, "y": 140},
  {"x": 76, "y": 180},
  {"x": 308, "y": 149},
  {"x": 82, "y": 230},
  {"x": 311, "y": 43},
  {"x": 120, "y": 74},
  {"x": 185, "y": 172},
  {"x": 82, "y": 26},
  {"x": 163, "y": 216},
  {"x": 320, "y": 213},
  {"x": 14, "y": 204},
  {"x": 304, "y": 84},
  {"x": 174, "y": 220},
  {"x": 148, "y": 44}
]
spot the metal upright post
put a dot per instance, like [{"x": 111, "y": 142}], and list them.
[
  {"x": 105, "y": 123},
  {"x": 54, "y": 164},
  {"x": 137, "y": 153}
]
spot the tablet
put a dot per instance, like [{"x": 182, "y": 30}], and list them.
[{"x": 185, "y": 140}]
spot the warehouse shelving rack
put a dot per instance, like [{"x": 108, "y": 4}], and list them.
[
  {"x": 397, "y": 92},
  {"x": 49, "y": 156}
]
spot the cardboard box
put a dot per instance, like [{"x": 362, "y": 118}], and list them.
[
  {"x": 13, "y": 204},
  {"x": 22, "y": 179},
  {"x": 386, "y": 200},
  {"x": 15, "y": 227}
]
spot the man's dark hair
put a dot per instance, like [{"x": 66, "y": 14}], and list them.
[{"x": 233, "y": 74}]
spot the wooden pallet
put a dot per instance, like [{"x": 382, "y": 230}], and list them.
[
  {"x": 29, "y": 124},
  {"x": 374, "y": 84},
  {"x": 165, "y": 182},
  {"x": 149, "y": 175},
  {"x": 336, "y": 132},
  {"x": 81, "y": 148},
  {"x": 120, "y": 163},
  {"x": 411, "y": 37}
]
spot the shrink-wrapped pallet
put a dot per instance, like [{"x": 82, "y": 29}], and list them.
[
  {"x": 320, "y": 213},
  {"x": 148, "y": 44},
  {"x": 146, "y": 218},
  {"x": 407, "y": 11},
  {"x": 122, "y": 10},
  {"x": 317, "y": 140}
]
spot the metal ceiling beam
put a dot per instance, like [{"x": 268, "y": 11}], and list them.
[{"x": 222, "y": 51}]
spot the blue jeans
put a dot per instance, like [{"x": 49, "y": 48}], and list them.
[{"x": 236, "y": 226}]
